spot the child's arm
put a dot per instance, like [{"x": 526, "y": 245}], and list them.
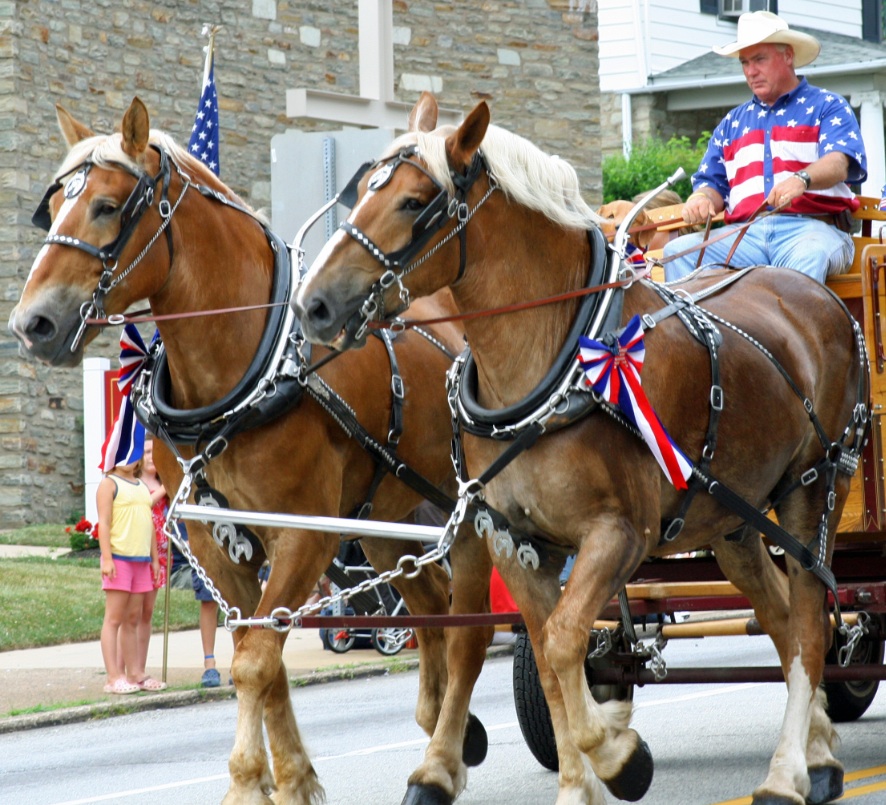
[
  {"x": 158, "y": 494},
  {"x": 104, "y": 500}
]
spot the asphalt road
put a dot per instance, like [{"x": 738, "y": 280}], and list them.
[{"x": 711, "y": 744}]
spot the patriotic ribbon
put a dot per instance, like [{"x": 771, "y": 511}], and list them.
[
  {"x": 613, "y": 371},
  {"x": 125, "y": 443}
]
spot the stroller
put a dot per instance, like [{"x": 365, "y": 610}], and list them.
[{"x": 351, "y": 567}]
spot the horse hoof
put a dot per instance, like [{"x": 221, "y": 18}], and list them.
[
  {"x": 633, "y": 781},
  {"x": 827, "y": 784},
  {"x": 426, "y": 795},
  {"x": 476, "y": 744}
]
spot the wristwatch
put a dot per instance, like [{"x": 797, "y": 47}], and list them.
[{"x": 804, "y": 177}]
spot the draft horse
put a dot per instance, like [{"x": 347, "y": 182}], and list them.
[
  {"x": 177, "y": 236},
  {"x": 512, "y": 227}
]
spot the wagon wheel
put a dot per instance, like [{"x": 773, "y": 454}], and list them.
[
  {"x": 532, "y": 709},
  {"x": 847, "y": 701}
]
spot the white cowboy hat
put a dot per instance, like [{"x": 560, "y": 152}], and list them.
[{"x": 759, "y": 27}]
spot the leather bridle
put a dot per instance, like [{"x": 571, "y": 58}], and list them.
[
  {"x": 434, "y": 217},
  {"x": 136, "y": 205}
]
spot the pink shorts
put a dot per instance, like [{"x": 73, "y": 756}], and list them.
[{"x": 132, "y": 577}]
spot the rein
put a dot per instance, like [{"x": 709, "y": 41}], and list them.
[
  {"x": 739, "y": 229},
  {"x": 141, "y": 316},
  {"x": 405, "y": 324}
]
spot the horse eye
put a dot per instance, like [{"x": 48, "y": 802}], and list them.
[
  {"x": 413, "y": 205},
  {"x": 104, "y": 208}
]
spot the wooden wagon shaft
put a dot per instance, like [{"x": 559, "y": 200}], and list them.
[{"x": 737, "y": 674}]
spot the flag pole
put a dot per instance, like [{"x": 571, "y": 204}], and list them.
[{"x": 209, "y": 31}]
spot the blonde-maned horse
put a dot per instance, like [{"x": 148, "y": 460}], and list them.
[
  {"x": 522, "y": 232},
  {"x": 136, "y": 212}
]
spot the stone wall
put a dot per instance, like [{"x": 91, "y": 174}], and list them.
[
  {"x": 535, "y": 61},
  {"x": 650, "y": 118}
]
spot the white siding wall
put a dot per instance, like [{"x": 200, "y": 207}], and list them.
[
  {"x": 647, "y": 37},
  {"x": 843, "y": 17}
]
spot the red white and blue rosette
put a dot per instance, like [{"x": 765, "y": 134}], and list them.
[{"x": 613, "y": 371}]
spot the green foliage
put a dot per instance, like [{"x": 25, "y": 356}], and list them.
[
  {"x": 47, "y": 535},
  {"x": 651, "y": 162}
]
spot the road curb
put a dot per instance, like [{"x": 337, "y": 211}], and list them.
[{"x": 182, "y": 698}]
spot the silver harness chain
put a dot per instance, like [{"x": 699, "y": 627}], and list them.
[{"x": 283, "y": 619}]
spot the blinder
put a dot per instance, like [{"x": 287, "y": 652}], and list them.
[
  {"x": 436, "y": 214},
  {"x": 42, "y": 217},
  {"x": 348, "y": 196}
]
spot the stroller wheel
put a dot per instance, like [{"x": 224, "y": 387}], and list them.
[
  {"x": 341, "y": 641},
  {"x": 390, "y": 641}
]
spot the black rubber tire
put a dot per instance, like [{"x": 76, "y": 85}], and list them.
[
  {"x": 533, "y": 714},
  {"x": 848, "y": 701}
]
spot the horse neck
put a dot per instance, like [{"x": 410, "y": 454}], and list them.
[
  {"x": 222, "y": 260},
  {"x": 530, "y": 258}
]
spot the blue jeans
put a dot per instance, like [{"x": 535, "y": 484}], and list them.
[{"x": 808, "y": 245}]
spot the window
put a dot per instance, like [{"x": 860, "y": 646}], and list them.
[
  {"x": 732, "y": 9},
  {"x": 873, "y": 20}
]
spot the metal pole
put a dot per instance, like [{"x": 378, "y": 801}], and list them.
[{"x": 339, "y": 525}]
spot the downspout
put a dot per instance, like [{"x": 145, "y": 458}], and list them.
[{"x": 641, "y": 41}]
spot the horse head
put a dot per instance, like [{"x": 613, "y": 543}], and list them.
[
  {"x": 410, "y": 205},
  {"x": 104, "y": 210}
]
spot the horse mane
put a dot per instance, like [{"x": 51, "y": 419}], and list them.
[
  {"x": 526, "y": 174},
  {"x": 106, "y": 151}
]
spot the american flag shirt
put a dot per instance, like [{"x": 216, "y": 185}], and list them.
[{"x": 756, "y": 146}]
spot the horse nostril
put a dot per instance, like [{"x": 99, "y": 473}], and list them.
[
  {"x": 317, "y": 312},
  {"x": 39, "y": 328}
]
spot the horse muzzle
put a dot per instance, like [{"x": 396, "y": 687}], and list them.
[
  {"x": 46, "y": 333},
  {"x": 326, "y": 323}
]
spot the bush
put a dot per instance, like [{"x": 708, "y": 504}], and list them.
[
  {"x": 651, "y": 163},
  {"x": 84, "y": 535}
]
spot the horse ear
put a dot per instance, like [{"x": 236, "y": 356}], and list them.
[
  {"x": 423, "y": 116},
  {"x": 136, "y": 129},
  {"x": 72, "y": 130},
  {"x": 464, "y": 142}
]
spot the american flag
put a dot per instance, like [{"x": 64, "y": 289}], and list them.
[
  {"x": 125, "y": 442},
  {"x": 204, "y": 136}
]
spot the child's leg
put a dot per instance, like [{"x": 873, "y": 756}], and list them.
[
  {"x": 115, "y": 609},
  {"x": 128, "y": 637},
  {"x": 143, "y": 635},
  {"x": 208, "y": 628}
]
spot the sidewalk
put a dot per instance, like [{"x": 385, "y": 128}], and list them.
[{"x": 64, "y": 683}]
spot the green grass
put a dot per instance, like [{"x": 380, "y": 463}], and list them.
[
  {"x": 46, "y": 602},
  {"x": 50, "y": 535}
]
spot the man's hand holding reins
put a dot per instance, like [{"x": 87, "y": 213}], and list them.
[{"x": 701, "y": 205}]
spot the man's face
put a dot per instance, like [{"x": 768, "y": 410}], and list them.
[{"x": 768, "y": 70}]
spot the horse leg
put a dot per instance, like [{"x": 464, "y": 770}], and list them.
[
  {"x": 263, "y": 685},
  {"x": 426, "y": 594},
  {"x": 297, "y": 782},
  {"x": 791, "y": 611},
  {"x": 617, "y": 754},
  {"x": 537, "y": 594},
  {"x": 459, "y": 739}
]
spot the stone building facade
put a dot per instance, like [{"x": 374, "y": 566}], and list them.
[{"x": 535, "y": 61}]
